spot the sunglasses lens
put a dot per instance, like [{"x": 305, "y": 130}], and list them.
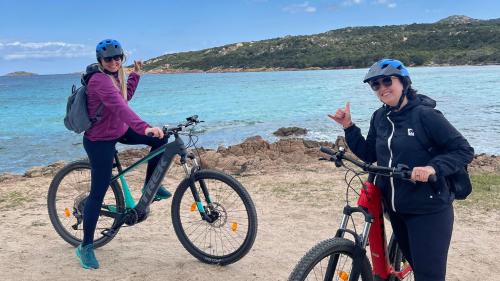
[
  {"x": 115, "y": 58},
  {"x": 387, "y": 81},
  {"x": 375, "y": 85}
]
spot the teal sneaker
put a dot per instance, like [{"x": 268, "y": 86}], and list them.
[
  {"x": 162, "y": 193},
  {"x": 86, "y": 256}
]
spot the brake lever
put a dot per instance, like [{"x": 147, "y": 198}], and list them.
[{"x": 405, "y": 173}]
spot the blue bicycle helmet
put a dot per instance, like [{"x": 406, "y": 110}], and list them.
[
  {"x": 108, "y": 48},
  {"x": 387, "y": 67}
]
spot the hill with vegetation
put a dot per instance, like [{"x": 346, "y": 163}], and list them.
[
  {"x": 456, "y": 40},
  {"x": 20, "y": 73}
]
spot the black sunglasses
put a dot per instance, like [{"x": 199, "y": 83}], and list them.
[
  {"x": 386, "y": 81},
  {"x": 115, "y": 58}
]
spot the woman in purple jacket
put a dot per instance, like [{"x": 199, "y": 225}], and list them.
[{"x": 117, "y": 124}]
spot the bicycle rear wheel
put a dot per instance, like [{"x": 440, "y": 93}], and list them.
[
  {"x": 332, "y": 259},
  {"x": 232, "y": 233},
  {"x": 399, "y": 262},
  {"x": 68, "y": 192}
]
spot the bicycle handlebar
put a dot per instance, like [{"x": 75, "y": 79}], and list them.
[
  {"x": 400, "y": 170},
  {"x": 191, "y": 120}
]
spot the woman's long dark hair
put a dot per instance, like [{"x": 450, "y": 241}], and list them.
[{"x": 410, "y": 92}]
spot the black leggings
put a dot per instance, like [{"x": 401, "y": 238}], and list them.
[
  {"x": 424, "y": 240},
  {"x": 101, "y": 156}
]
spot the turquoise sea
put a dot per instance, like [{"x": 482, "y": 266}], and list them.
[{"x": 235, "y": 106}]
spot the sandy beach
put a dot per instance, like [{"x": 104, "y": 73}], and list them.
[{"x": 298, "y": 201}]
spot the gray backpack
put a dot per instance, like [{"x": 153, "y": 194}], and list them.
[{"x": 77, "y": 118}]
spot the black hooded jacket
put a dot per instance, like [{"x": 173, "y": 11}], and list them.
[{"x": 391, "y": 141}]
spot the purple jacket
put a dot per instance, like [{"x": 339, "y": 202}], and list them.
[{"x": 117, "y": 116}]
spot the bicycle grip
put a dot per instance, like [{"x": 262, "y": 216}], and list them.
[
  {"x": 327, "y": 151},
  {"x": 432, "y": 178}
]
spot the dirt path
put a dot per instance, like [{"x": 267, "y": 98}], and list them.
[{"x": 296, "y": 208}]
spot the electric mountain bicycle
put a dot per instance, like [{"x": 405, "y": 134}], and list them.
[
  {"x": 343, "y": 259},
  {"x": 212, "y": 213}
]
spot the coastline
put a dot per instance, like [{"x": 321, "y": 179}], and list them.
[
  {"x": 262, "y": 69},
  {"x": 279, "y": 69}
]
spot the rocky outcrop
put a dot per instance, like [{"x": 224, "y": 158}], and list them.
[
  {"x": 46, "y": 170},
  {"x": 256, "y": 156},
  {"x": 457, "y": 19},
  {"x": 290, "y": 131},
  {"x": 485, "y": 163}
]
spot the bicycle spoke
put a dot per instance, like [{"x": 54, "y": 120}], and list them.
[
  {"x": 67, "y": 196},
  {"x": 217, "y": 240}
]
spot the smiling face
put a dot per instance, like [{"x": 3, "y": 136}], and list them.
[
  {"x": 112, "y": 64},
  {"x": 388, "y": 92}
]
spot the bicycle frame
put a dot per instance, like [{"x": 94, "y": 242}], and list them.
[
  {"x": 371, "y": 199},
  {"x": 370, "y": 205},
  {"x": 135, "y": 213}
]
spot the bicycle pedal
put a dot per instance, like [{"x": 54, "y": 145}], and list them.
[{"x": 108, "y": 232}]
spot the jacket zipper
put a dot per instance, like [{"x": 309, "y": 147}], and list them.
[{"x": 393, "y": 191}]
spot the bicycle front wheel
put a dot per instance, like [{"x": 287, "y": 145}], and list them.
[
  {"x": 66, "y": 199},
  {"x": 398, "y": 261},
  {"x": 232, "y": 232},
  {"x": 332, "y": 259}
]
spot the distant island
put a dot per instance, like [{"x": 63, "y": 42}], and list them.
[
  {"x": 455, "y": 40},
  {"x": 20, "y": 73}
]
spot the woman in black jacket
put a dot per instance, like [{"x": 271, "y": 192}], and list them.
[{"x": 421, "y": 214}]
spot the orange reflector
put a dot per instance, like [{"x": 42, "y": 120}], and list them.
[
  {"x": 343, "y": 275},
  {"x": 67, "y": 212},
  {"x": 234, "y": 226},
  {"x": 193, "y": 207}
]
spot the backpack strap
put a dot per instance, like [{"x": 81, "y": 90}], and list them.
[{"x": 89, "y": 71}]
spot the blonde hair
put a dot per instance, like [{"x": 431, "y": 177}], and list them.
[{"x": 121, "y": 75}]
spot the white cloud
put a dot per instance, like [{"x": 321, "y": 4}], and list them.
[
  {"x": 41, "y": 50},
  {"x": 297, "y": 8},
  {"x": 352, "y": 2},
  {"x": 388, "y": 3}
]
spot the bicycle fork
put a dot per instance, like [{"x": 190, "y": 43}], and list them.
[
  {"x": 369, "y": 205},
  {"x": 209, "y": 216},
  {"x": 360, "y": 241}
]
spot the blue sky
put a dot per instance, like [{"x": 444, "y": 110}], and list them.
[{"x": 48, "y": 37}]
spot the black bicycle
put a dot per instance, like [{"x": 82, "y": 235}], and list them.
[{"x": 213, "y": 215}]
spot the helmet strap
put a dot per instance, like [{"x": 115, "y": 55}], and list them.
[{"x": 401, "y": 99}]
